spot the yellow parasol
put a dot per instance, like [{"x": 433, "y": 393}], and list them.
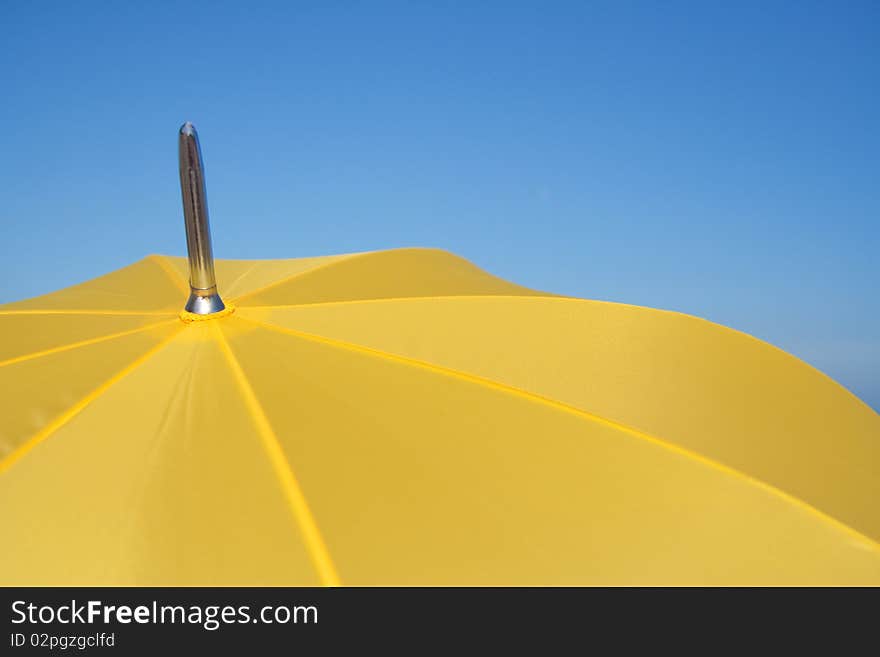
[{"x": 403, "y": 417}]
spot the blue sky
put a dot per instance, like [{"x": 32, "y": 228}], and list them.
[{"x": 721, "y": 159}]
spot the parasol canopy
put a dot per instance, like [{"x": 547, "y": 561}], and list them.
[{"x": 404, "y": 417}]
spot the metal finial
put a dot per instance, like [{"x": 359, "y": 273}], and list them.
[{"x": 203, "y": 298}]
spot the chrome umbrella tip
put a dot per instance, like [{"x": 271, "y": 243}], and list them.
[{"x": 203, "y": 298}]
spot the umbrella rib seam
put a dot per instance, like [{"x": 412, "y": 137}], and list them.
[
  {"x": 171, "y": 273},
  {"x": 110, "y": 313},
  {"x": 345, "y": 302},
  {"x": 72, "y": 411},
  {"x": 293, "y": 492},
  {"x": 287, "y": 279},
  {"x": 227, "y": 289},
  {"x": 82, "y": 343},
  {"x": 632, "y": 431},
  {"x": 550, "y": 297}
]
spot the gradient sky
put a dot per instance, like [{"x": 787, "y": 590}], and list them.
[{"x": 721, "y": 160}]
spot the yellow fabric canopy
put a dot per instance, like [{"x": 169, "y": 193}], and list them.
[{"x": 403, "y": 417}]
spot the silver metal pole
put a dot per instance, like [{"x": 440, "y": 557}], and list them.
[{"x": 203, "y": 298}]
